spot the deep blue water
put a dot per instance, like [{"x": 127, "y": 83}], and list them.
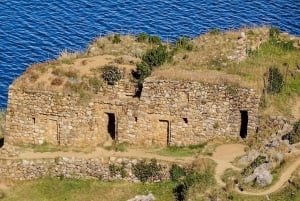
[{"x": 36, "y": 30}]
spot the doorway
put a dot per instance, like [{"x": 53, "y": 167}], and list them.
[
  {"x": 111, "y": 125},
  {"x": 165, "y": 130},
  {"x": 244, "y": 124}
]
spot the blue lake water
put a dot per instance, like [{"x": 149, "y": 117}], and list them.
[{"x": 36, "y": 30}]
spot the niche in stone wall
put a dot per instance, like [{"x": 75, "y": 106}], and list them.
[
  {"x": 52, "y": 132},
  {"x": 244, "y": 124},
  {"x": 165, "y": 132},
  {"x": 111, "y": 125}
]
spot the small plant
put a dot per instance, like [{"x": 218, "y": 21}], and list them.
[
  {"x": 142, "y": 71},
  {"x": 274, "y": 33},
  {"x": 95, "y": 84},
  {"x": 275, "y": 80},
  {"x": 142, "y": 37},
  {"x": 294, "y": 136},
  {"x": 154, "y": 40},
  {"x": 184, "y": 43},
  {"x": 214, "y": 32},
  {"x": 111, "y": 74},
  {"x": 116, "y": 39},
  {"x": 156, "y": 56},
  {"x": 177, "y": 173},
  {"x": 145, "y": 171}
]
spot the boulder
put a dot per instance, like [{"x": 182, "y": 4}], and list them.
[
  {"x": 251, "y": 156},
  {"x": 149, "y": 197}
]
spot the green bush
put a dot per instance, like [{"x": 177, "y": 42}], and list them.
[
  {"x": 214, "y": 31},
  {"x": 116, "y": 39},
  {"x": 111, "y": 74},
  {"x": 147, "y": 171},
  {"x": 184, "y": 43},
  {"x": 142, "y": 71},
  {"x": 156, "y": 56},
  {"x": 177, "y": 173},
  {"x": 294, "y": 136},
  {"x": 154, "y": 40},
  {"x": 142, "y": 37},
  {"x": 275, "y": 80},
  {"x": 273, "y": 32}
]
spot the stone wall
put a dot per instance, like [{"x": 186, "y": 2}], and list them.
[
  {"x": 79, "y": 168},
  {"x": 167, "y": 112}
]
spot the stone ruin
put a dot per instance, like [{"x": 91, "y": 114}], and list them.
[{"x": 167, "y": 112}]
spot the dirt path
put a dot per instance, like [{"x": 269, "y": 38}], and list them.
[
  {"x": 100, "y": 153},
  {"x": 224, "y": 155},
  {"x": 284, "y": 177}
]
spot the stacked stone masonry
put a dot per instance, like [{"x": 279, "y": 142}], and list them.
[
  {"x": 79, "y": 168},
  {"x": 166, "y": 112}
]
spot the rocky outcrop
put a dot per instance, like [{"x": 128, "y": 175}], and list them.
[{"x": 149, "y": 197}]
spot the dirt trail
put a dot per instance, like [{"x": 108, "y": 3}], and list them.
[
  {"x": 224, "y": 155},
  {"x": 100, "y": 153},
  {"x": 284, "y": 177}
]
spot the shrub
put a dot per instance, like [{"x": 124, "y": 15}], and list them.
[
  {"x": 294, "y": 136},
  {"x": 111, "y": 74},
  {"x": 147, "y": 171},
  {"x": 154, "y": 40},
  {"x": 184, "y": 43},
  {"x": 214, "y": 31},
  {"x": 156, "y": 56},
  {"x": 116, "y": 39},
  {"x": 57, "y": 81},
  {"x": 177, "y": 172},
  {"x": 275, "y": 80},
  {"x": 273, "y": 33},
  {"x": 142, "y": 71},
  {"x": 142, "y": 37},
  {"x": 95, "y": 84}
]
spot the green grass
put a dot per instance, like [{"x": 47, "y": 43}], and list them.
[
  {"x": 48, "y": 189},
  {"x": 46, "y": 147},
  {"x": 182, "y": 151}
]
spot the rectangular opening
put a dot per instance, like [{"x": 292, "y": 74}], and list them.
[
  {"x": 33, "y": 120},
  {"x": 167, "y": 130},
  {"x": 111, "y": 126},
  {"x": 185, "y": 120},
  {"x": 244, "y": 124}
]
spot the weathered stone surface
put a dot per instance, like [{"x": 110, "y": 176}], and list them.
[
  {"x": 251, "y": 156},
  {"x": 262, "y": 175},
  {"x": 149, "y": 197},
  {"x": 173, "y": 112},
  {"x": 79, "y": 168}
]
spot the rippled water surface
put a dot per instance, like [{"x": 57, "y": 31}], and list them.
[{"x": 35, "y": 30}]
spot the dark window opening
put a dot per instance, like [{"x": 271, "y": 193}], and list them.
[
  {"x": 244, "y": 124},
  {"x": 33, "y": 120},
  {"x": 1, "y": 142},
  {"x": 111, "y": 126},
  {"x": 185, "y": 120},
  {"x": 135, "y": 118}
]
